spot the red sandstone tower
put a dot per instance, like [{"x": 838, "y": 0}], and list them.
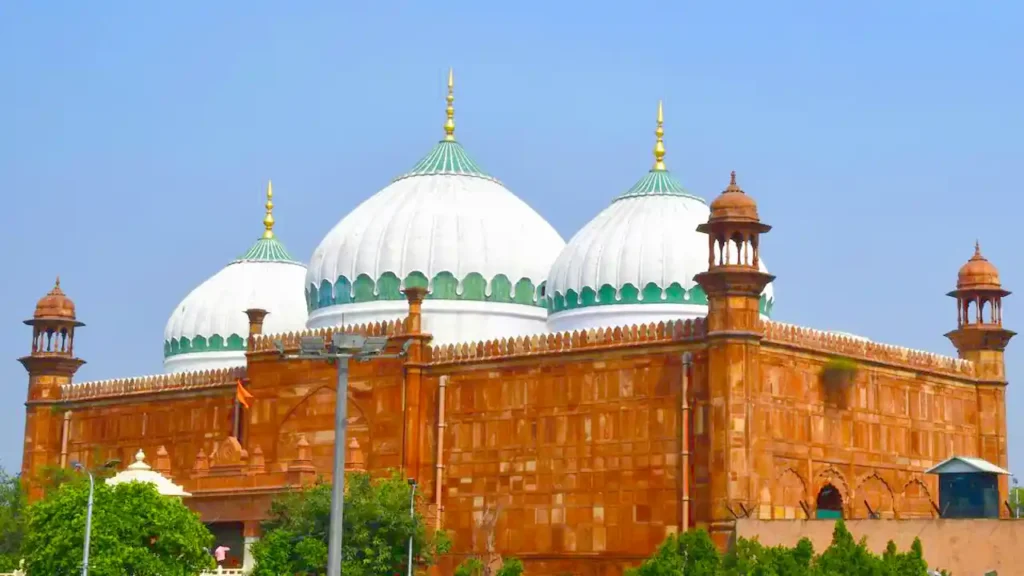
[
  {"x": 981, "y": 338},
  {"x": 51, "y": 364},
  {"x": 733, "y": 283}
]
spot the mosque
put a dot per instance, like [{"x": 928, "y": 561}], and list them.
[{"x": 567, "y": 403}]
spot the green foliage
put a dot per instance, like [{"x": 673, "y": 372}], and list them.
[
  {"x": 694, "y": 554},
  {"x": 473, "y": 566},
  {"x": 377, "y": 527},
  {"x": 135, "y": 531},
  {"x": 1017, "y": 501},
  {"x": 13, "y": 508},
  {"x": 511, "y": 567}
]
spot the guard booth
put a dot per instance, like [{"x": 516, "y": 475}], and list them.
[{"x": 968, "y": 487}]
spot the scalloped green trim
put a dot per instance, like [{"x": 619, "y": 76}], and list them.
[
  {"x": 448, "y": 157},
  {"x": 215, "y": 343},
  {"x": 266, "y": 250},
  {"x": 445, "y": 286},
  {"x": 608, "y": 295},
  {"x": 658, "y": 183}
]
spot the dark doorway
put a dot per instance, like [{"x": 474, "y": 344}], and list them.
[{"x": 830, "y": 503}]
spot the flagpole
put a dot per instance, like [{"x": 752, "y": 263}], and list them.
[{"x": 238, "y": 408}]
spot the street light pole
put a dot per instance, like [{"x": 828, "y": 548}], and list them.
[
  {"x": 88, "y": 526},
  {"x": 341, "y": 350},
  {"x": 338, "y": 487},
  {"x": 412, "y": 515},
  {"x": 88, "y": 511}
]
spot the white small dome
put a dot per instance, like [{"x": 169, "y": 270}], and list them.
[
  {"x": 635, "y": 262},
  {"x": 482, "y": 253},
  {"x": 209, "y": 328}
]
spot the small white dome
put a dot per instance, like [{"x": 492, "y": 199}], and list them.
[
  {"x": 209, "y": 328},
  {"x": 482, "y": 253},
  {"x": 635, "y": 262}
]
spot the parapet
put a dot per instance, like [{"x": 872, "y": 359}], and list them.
[
  {"x": 833, "y": 343},
  {"x": 562, "y": 342}
]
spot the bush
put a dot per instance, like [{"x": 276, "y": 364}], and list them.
[{"x": 694, "y": 554}]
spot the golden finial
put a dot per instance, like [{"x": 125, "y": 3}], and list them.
[
  {"x": 977, "y": 250},
  {"x": 659, "y": 146},
  {"x": 57, "y": 284},
  {"x": 268, "y": 220},
  {"x": 449, "y": 124}
]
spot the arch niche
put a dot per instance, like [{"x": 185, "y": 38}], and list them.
[
  {"x": 313, "y": 417},
  {"x": 829, "y": 503}
]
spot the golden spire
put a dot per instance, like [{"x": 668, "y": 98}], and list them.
[
  {"x": 659, "y": 146},
  {"x": 449, "y": 124},
  {"x": 268, "y": 220}
]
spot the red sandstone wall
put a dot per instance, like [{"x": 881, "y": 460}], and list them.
[
  {"x": 101, "y": 431},
  {"x": 963, "y": 547},
  {"x": 565, "y": 459},
  {"x": 896, "y": 424}
]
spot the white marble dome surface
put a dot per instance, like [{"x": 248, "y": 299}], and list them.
[
  {"x": 482, "y": 253},
  {"x": 634, "y": 263},
  {"x": 209, "y": 328}
]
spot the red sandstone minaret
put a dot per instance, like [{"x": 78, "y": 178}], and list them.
[
  {"x": 980, "y": 336},
  {"x": 733, "y": 283},
  {"x": 51, "y": 365}
]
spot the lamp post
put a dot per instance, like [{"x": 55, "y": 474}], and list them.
[
  {"x": 412, "y": 515},
  {"x": 342, "y": 349},
  {"x": 88, "y": 511}
]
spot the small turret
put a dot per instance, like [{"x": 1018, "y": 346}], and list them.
[
  {"x": 52, "y": 361},
  {"x": 980, "y": 336},
  {"x": 734, "y": 281}
]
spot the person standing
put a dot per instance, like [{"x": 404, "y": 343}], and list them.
[{"x": 220, "y": 553}]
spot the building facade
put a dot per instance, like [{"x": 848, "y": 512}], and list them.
[{"x": 569, "y": 404}]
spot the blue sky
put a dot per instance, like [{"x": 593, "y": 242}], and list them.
[{"x": 880, "y": 139}]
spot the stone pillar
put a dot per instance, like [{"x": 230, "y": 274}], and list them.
[
  {"x": 251, "y": 533},
  {"x": 256, "y": 317},
  {"x": 414, "y": 382}
]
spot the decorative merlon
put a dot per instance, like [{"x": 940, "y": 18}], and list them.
[
  {"x": 149, "y": 384},
  {"x": 290, "y": 340},
  {"x": 593, "y": 339},
  {"x": 832, "y": 343}
]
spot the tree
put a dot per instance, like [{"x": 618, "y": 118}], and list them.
[
  {"x": 377, "y": 526},
  {"x": 1017, "y": 499},
  {"x": 135, "y": 531},
  {"x": 12, "y": 520}
]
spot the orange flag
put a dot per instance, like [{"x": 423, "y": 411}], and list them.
[{"x": 242, "y": 395}]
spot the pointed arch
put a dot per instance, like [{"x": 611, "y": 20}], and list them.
[
  {"x": 873, "y": 495},
  {"x": 312, "y": 416},
  {"x": 789, "y": 494},
  {"x": 831, "y": 492},
  {"x": 916, "y": 499}
]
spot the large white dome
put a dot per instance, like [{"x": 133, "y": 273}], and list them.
[
  {"x": 209, "y": 328},
  {"x": 482, "y": 253},
  {"x": 635, "y": 262}
]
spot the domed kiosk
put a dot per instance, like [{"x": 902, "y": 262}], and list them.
[
  {"x": 208, "y": 329},
  {"x": 635, "y": 262},
  {"x": 447, "y": 226}
]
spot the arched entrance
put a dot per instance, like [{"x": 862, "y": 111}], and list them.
[{"x": 829, "y": 504}]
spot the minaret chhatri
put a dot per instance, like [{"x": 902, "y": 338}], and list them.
[
  {"x": 733, "y": 283},
  {"x": 50, "y": 365},
  {"x": 980, "y": 336}
]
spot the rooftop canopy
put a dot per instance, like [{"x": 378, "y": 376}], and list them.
[{"x": 966, "y": 465}]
